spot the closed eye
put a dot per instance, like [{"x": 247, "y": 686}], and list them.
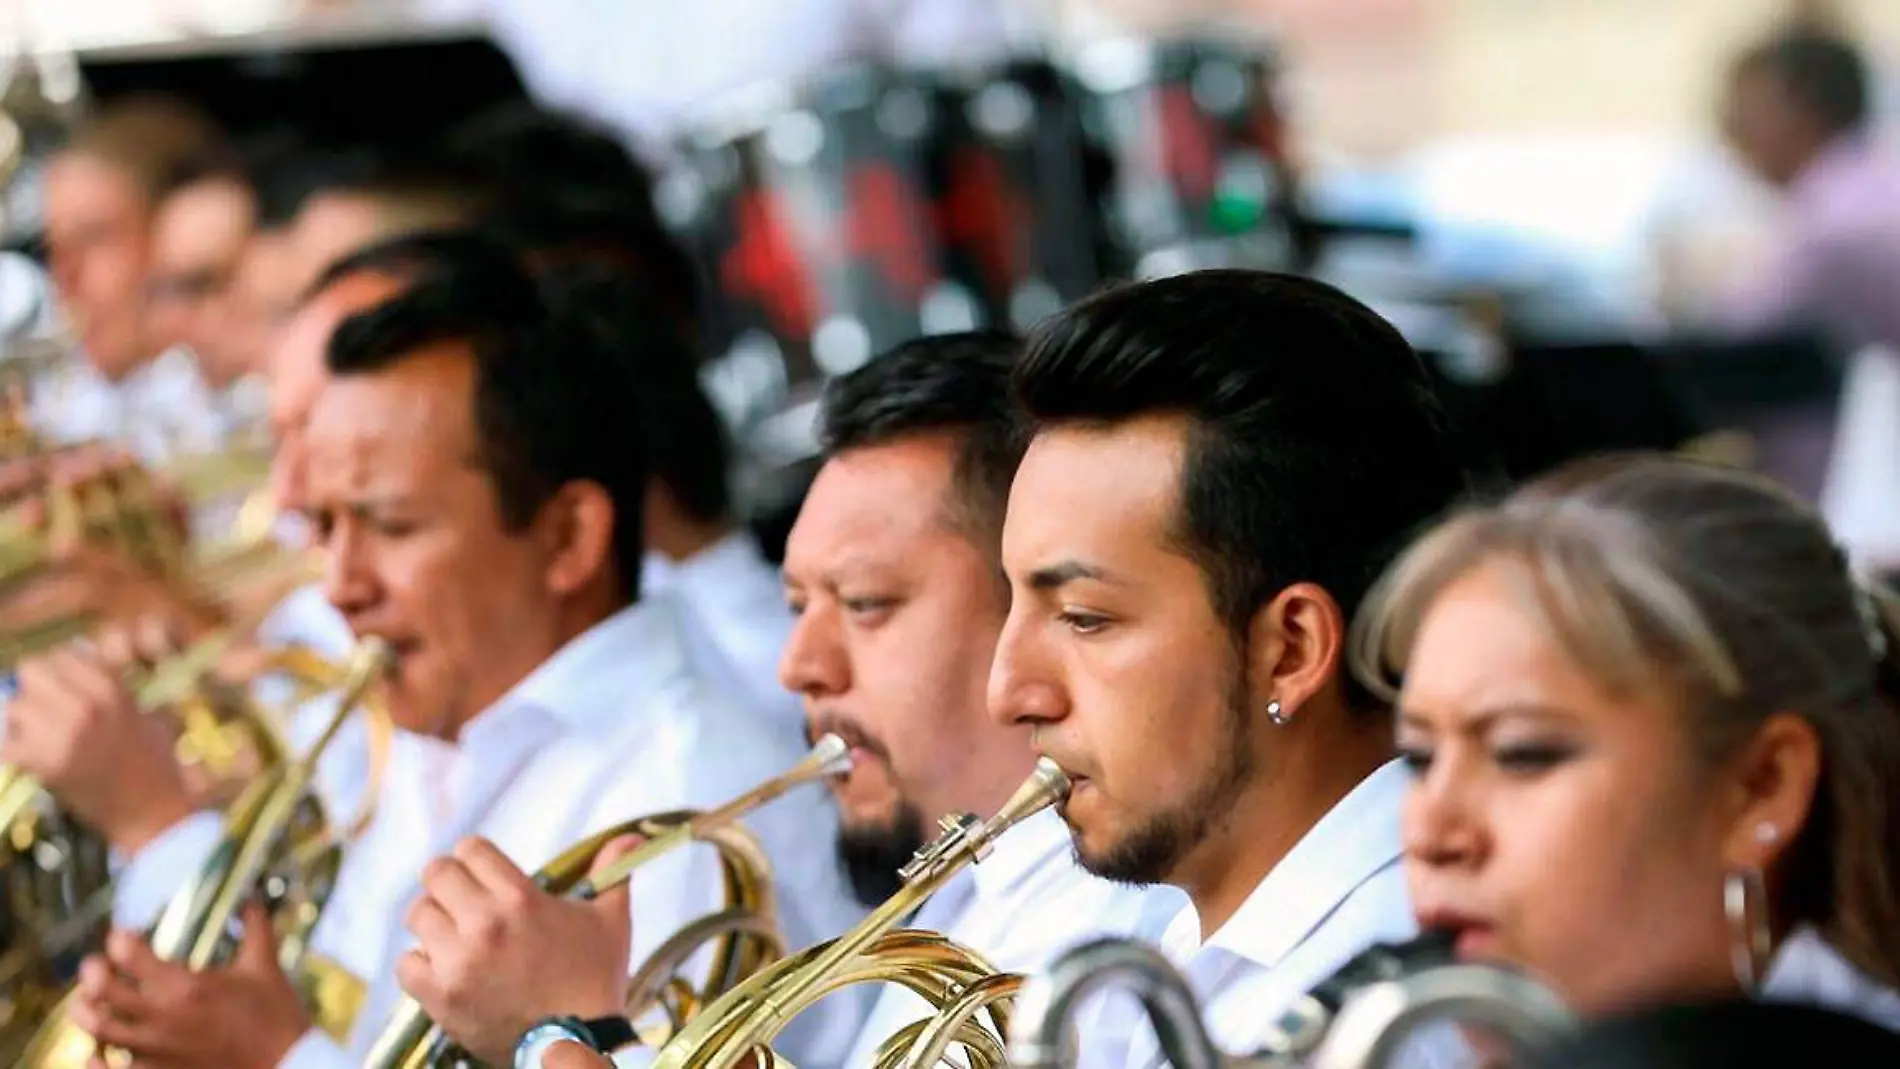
[{"x": 1082, "y": 623}]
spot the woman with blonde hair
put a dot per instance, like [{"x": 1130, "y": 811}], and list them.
[{"x": 1654, "y": 725}]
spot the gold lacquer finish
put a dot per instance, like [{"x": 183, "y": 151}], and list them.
[
  {"x": 125, "y": 509},
  {"x": 744, "y": 931},
  {"x": 277, "y": 841},
  {"x": 742, "y": 1024}
]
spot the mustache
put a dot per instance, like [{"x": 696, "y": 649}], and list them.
[{"x": 831, "y": 722}]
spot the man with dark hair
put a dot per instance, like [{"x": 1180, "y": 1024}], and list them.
[
  {"x": 100, "y": 191},
  {"x": 733, "y": 605},
  {"x": 568, "y": 197},
  {"x": 1797, "y": 113},
  {"x": 370, "y": 196},
  {"x": 476, "y": 474},
  {"x": 892, "y": 570},
  {"x": 1221, "y": 464}
]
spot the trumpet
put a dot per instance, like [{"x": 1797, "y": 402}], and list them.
[
  {"x": 1359, "y": 1018},
  {"x": 746, "y": 928},
  {"x": 277, "y": 840},
  {"x": 745, "y": 1020}
]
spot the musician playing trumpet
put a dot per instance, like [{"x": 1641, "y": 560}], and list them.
[{"x": 474, "y": 475}]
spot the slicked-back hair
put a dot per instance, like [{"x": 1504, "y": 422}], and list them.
[
  {"x": 1315, "y": 446},
  {"x": 954, "y": 384},
  {"x": 552, "y": 404}
]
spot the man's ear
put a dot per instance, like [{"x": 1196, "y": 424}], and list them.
[
  {"x": 1295, "y": 645},
  {"x": 576, "y": 527}
]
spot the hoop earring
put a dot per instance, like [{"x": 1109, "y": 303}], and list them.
[
  {"x": 1274, "y": 714},
  {"x": 1745, "y": 903}
]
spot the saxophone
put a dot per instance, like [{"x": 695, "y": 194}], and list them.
[
  {"x": 743, "y": 1023},
  {"x": 1359, "y": 1018},
  {"x": 745, "y": 928},
  {"x": 278, "y": 841}
]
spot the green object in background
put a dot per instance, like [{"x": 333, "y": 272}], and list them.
[{"x": 1231, "y": 213}]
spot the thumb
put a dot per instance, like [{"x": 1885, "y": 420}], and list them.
[{"x": 257, "y": 949}]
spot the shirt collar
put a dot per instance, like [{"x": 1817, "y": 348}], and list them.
[
  {"x": 736, "y": 552},
  {"x": 603, "y": 676},
  {"x": 1019, "y": 853},
  {"x": 1354, "y": 841}
]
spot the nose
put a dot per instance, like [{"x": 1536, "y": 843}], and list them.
[
  {"x": 1443, "y": 819},
  {"x": 1024, "y": 689},
  {"x": 349, "y": 580},
  {"x": 815, "y": 663}
]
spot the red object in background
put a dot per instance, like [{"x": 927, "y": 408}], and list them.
[
  {"x": 764, "y": 264},
  {"x": 1189, "y": 156},
  {"x": 980, "y": 214},
  {"x": 885, "y": 224}
]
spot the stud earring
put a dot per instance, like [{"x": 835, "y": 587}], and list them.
[
  {"x": 1766, "y": 833},
  {"x": 1274, "y": 714}
]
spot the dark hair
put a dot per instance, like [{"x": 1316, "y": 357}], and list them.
[
  {"x": 566, "y": 190},
  {"x": 1728, "y": 1035},
  {"x": 687, "y": 446},
  {"x": 957, "y": 383},
  {"x": 1316, "y": 447},
  {"x": 552, "y": 405},
  {"x": 1825, "y": 75}
]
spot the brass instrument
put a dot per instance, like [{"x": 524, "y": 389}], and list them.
[
  {"x": 743, "y": 1022},
  {"x": 1360, "y": 1018},
  {"x": 746, "y": 928},
  {"x": 277, "y": 841},
  {"x": 124, "y": 508}
]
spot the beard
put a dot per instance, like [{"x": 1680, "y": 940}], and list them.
[
  {"x": 872, "y": 853},
  {"x": 1152, "y": 851}
]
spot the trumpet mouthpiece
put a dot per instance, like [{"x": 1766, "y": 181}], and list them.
[{"x": 832, "y": 755}]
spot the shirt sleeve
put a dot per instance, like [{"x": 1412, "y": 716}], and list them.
[
  {"x": 148, "y": 880},
  {"x": 317, "y": 1051}
]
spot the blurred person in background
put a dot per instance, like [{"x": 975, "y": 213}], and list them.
[
  {"x": 565, "y": 192},
  {"x": 1798, "y": 114},
  {"x": 368, "y": 197},
  {"x": 101, "y": 194},
  {"x": 202, "y": 231}
]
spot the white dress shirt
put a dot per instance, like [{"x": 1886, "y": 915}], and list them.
[
  {"x": 160, "y": 411},
  {"x": 1337, "y": 892},
  {"x": 1806, "y": 969},
  {"x": 613, "y": 726},
  {"x": 1018, "y": 908},
  {"x": 736, "y": 622}
]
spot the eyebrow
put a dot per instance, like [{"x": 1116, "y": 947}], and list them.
[
  {"x": 1061, "y": 574},
  {"x": 1483, "y": 716}
]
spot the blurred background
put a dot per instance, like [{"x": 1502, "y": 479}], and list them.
[{"x": 1605, "y": 223}]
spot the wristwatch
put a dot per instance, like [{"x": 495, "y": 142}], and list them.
[{"x": 602, "y": 1035}]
